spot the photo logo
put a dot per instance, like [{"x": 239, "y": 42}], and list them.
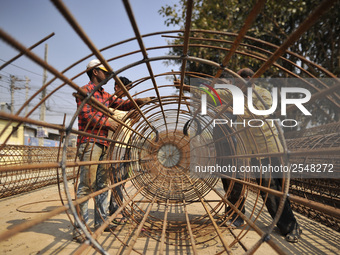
[
  {"x": 208, "y": 92},
  {"x": 239, "y": 105}
]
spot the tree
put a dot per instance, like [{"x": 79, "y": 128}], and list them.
[
  {"x": 274, "y": 24},
  {"x": 276, "y": 21}
]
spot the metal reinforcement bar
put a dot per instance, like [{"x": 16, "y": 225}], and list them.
[{"x": 158, "y": 163}]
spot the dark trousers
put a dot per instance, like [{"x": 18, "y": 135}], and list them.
[
  {"x": 119, "y": 173},
  {"x": 287, "y": 219},
  {"x": 116, "y": 197},
  {"x": 226, "y": 147},
  {"x": 235, "y": 193}
]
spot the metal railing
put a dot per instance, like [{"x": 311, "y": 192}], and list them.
[{"x": 14, "y": 182}]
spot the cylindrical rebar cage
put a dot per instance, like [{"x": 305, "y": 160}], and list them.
[{"x": 151, "y": 156}]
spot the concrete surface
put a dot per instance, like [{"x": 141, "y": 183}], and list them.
[{"x": 54, "y": 236}]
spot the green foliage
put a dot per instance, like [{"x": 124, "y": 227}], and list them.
[{"x": 276, "y": 22}]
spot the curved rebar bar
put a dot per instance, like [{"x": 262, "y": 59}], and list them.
[{"x": 155, "y": 178}]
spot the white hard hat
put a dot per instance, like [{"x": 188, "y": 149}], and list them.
[{"x": 95, "y": 63}]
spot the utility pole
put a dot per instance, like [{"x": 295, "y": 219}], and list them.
[
  {"x": 26, "y": 96},
  {"x": 43, "y": 94},
  {"x": 12, "y": 88}
]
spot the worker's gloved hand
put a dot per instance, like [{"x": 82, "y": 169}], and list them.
[
  {"x": 113, "y": 125},
  {"x": 144, "y": 100},
  {"x": 177, "y": 84}
]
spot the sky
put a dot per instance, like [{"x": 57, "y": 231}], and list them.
[{"x": 105, "y": 22}]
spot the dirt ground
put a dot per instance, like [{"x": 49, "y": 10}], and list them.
[{"x": 54, "y": 236}]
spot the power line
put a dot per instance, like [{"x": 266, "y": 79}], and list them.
[
  {"x": 6, "y": 78},
  {"x": 2, "y": 86},
  {"x": 23, "y": 68}
]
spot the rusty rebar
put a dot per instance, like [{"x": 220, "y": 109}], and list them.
[{"x": 154, "y": 182}]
